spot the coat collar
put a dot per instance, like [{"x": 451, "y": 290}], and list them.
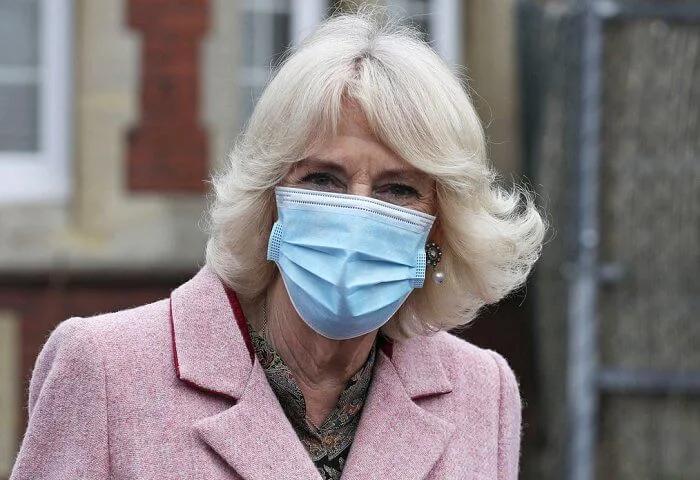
[
  {"x": 212, "y": 353},
  {"x": 396, "y": 438},
  {"x": 210, "y": 350}
]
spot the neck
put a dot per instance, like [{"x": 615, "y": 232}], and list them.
[{"x": 321, "y": 367}]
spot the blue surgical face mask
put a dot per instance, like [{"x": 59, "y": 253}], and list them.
[{"x": 348, "y": 262}]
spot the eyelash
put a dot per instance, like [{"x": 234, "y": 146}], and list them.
[{"x": 314, "y": 178}]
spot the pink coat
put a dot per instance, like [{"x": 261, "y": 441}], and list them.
[{"x": 172, "y": 390}]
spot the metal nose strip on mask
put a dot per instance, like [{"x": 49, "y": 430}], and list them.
[{"x": 289, "y": 195}]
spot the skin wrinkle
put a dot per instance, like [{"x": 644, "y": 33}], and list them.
[{"x": 359, "y": 165}]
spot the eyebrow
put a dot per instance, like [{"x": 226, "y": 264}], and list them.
[
  {"x": 399, "y": 176},
  {"x": 321, "y": 164}
]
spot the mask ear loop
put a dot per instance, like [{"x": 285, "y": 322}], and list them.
[{"x": 433, "y": 255}]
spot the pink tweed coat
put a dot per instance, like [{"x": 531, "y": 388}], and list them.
[{"x": 172, "y": 390}]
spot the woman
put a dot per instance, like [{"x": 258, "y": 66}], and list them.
[{"x": 358, "y": 220}]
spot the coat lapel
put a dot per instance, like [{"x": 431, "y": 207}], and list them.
[
  {"x": 212, "y": 353},
  {"x": 255, "y": 437},
  {"x": 396, "y": 437}
]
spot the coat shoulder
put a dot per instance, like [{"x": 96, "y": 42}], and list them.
[
  {"x": 468, "y": 364},
  {"x": 142, "y": 328}
]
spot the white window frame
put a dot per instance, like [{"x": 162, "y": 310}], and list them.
[
  {"x": 446, "y": 18},
  {"x": 44, "y": 176},
  {"x": 444, "y": 22},
  {"x": 304, "y": 16}
]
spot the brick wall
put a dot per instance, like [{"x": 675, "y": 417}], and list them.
[{"x": 168, "y": 149}]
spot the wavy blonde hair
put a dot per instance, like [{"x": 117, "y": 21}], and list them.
[{"x": 416, "y": 106}]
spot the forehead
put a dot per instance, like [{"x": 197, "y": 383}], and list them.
[
  {"x": 353, "y": 121},
  {"x": 355, "y": 147}
]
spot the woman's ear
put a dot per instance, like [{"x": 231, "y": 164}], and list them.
[
  {"x": 435, "y": 234},
  {"x": 272, "y": 206}
]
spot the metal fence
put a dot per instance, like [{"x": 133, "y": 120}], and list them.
[{"x": 621, "y": 195}]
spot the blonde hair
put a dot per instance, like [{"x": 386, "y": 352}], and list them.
[{"x": 416, "y": 106}]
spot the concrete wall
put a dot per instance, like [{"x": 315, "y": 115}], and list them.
[
  {"x": 10, "y": 395},
  {"x": 490, "y": 31}
]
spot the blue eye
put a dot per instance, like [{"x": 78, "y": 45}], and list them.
[
  {"x": 401, "y": 190},
  {"x": 323, "y": 181},
  {"x": 398, "y": 194},
  {"x": 398, "y": 190}
]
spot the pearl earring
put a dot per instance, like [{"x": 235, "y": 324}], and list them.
[{"x": 433, "y": 255}]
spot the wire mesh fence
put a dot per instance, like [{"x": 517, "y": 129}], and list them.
[{"x": 644, "y": 326}]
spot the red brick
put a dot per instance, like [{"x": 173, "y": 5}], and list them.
[
  {"x": 168, "y": 149},
  {"x": 170, "y": 54},
  {"x": 170, "y": 100},
  {"x": 186, "y": 16},
  {"x": 160, "y": 159}
]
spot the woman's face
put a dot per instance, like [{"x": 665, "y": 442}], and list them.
[{"x": 355, "y": 162}]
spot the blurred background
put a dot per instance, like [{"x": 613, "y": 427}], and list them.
[{"x": 113, "y": 113}]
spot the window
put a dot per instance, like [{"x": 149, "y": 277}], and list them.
[
  {"x": 269, "y": 27},
  {"x": 34, "y": 100},
  {"x": 441, "y": 22}
]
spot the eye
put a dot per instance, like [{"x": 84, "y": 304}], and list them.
[
  {"x": 401, "y": 190},
  {"x": 397, "y": 193},
  {"x": 323, "y": 181}
]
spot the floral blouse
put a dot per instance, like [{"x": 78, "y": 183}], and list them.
[{"x": 327, "y": 444}]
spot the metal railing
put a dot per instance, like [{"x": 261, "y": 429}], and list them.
[{"x": 586, "y": 378}]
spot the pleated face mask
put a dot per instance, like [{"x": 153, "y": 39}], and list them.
[{"x": 348, "y": 262}]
